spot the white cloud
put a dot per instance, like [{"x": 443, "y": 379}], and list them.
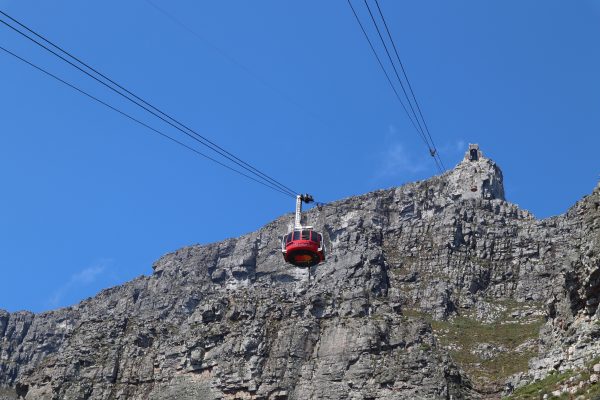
[
  {"x": 391, "y": 131},
  {"x": 452, "y": 148},
  {"x": 396, "y": 160},
  {"x": 88, "y": 275},
  {"x": 452, "y": 151},
  {"x": 85, "y": 277},
  {"x": 460, "y": 145}
]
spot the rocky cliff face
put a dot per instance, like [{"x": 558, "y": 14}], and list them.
[{"x": 438, "y": 289}]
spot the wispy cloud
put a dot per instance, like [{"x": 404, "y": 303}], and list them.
[
  {"x": 452, "y": 152},
  {"x": 452, "y": 148},
  {"x": 85, "y": 277},
  {"x": 396, "y": 160},
  {"x": 460, "y": 146}
]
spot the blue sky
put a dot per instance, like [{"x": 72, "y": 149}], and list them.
[{"x": 90, "y": 199}]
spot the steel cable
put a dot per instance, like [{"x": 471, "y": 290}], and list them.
[
  {"x": 147, "y": 107},
  {"x": 139, "y": 121}
]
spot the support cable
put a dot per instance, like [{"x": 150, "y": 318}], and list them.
[
  {"x": 408, "y": 82},
  {"x": 144, "y": 104},
  {"x": 419, "y": 126},
  {"x": 396, "y": 71},
  {"x": 81, "y": 91},
  {"x": 386, "y": 73},
  {"x": 430, "y": 146},
  {"x": 281, "y": 93}
]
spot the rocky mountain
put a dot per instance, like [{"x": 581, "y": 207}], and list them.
[{"x": 439, "y": 289}]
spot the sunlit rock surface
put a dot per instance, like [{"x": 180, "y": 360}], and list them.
[{"x": 433, "y": 290}]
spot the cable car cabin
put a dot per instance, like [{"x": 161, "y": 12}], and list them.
[{"x": 303, "y": 248}]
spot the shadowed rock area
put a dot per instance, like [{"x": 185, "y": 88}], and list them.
[{"x": 438, "y": 289}]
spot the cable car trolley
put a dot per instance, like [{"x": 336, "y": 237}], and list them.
[{"x": 303, "y": 247}]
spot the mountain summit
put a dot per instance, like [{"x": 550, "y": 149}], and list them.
[{"x": 439, "y": 289}]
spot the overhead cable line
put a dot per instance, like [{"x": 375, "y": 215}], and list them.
[
  {"x": 423, "y": 133},
  {"x": 164, "y": 117},
  {"x": 132, "y": 97},
  {"x": 92, "y": 97},
  {"x": 170, "y": 16},
  {"x": 430, "y": 145},
  {"x": 395, "y": 70},
  {"x": 115, "y": 109},
  {"x": 408, "y": 81},
  {"x": 386, "y": 73}
]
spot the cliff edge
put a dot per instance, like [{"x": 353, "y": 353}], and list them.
[{"x": 438, "y": 289}]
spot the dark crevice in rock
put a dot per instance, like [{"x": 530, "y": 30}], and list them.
[
  {"x": 572, "y": 286},
  {"x": 21, "y": 389},
  {"x": 592, "y": 292}
]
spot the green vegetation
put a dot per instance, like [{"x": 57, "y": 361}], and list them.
[
  {"x": 462, "y": 335},
  {"x": 487, "y": 352},
  {"x": 538, "y": 389},
  {"x": 555, "y": 381},
  {"x": 594, "y": 392},
  {"x": 425, "y": 347},
  {"x": 412, "y": 313},
  {"x": 467, "y": 331}
]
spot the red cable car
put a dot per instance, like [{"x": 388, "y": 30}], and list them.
[{"x": 303, "y": 247}]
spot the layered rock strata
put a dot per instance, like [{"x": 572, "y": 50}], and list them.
[{"x": 404, "y": 267}]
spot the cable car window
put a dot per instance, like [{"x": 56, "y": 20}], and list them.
[
  {"x": 296, "y": 235},
  {"x": 305, "y": 235},
  {"x": 314, "y": 237},
  {"x": 288, "y": 237},
  {"x": 319, "y": 237}
]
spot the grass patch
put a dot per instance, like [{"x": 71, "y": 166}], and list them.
[
  {"x": 594, "y": 392},
  {"x": 554, "y": 381},
  {"x": 468, "y": 331},
  {"x": 412, "y": 313},
  {"x": 538, "y": 389},
  {"x": 461, "y": 336},
  {"x": 425, "y": 347}
]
